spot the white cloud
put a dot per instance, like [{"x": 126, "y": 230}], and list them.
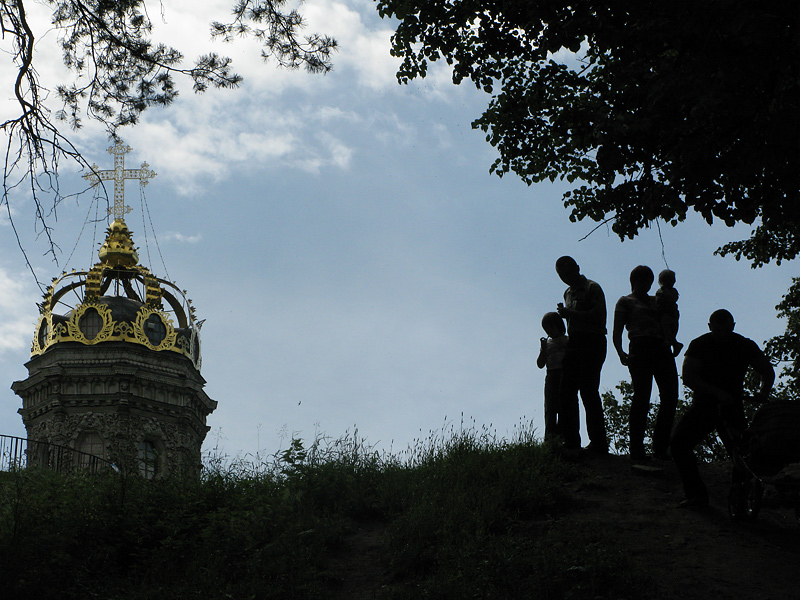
[
  {"x": 18, "y": 306},
  {"x": 206, "y": 142},
  {"x": 364, "y": 41},
  {"x": 329, "y": 152},
  {"x": 201, "y": 138},
  {"x": 327, "y": 114},
  {"x": 443, "y": 135},
  {"x": 175, "y": 236}
]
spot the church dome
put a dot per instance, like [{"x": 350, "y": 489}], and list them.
[
  {"x": 115, "y": 360},
  {"x": 117, "y": 300}
]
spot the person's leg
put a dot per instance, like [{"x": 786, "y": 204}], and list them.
[
  {"x": 666, "y": 376},
  {"x": 568, "y": 412},
  {"x": 592, "y": 366},
  {"x": 695, "y": 424},
  {"x": 640, "y": 368},
  {"x": 552, "y": 383},
  {"x": 731, "y": 424}
]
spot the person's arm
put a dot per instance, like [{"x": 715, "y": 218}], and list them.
[
  {"x": 620, "y": 318},
  {"x": 562, "y": 309},
  {"x": 692, "y": 375},
  {"x": 541, "y": 362},
  {"x": 594, "y": 315},
  {"x": 766, "y": 373}
]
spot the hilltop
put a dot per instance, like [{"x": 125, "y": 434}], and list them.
[
  {"x": 461, "y": 515},
  {"x": 685, "y": 554}
]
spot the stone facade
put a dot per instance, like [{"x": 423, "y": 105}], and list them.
[{"x": 142, "y": 409}]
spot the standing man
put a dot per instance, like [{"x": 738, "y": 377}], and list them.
[
  {"x": 649, "y": 357},
  {"x": 714, "y": 368},
  {"x": 584, "y": 309}
]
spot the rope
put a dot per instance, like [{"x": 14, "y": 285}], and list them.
[
  {"x": 80, "y": 234},
  {"x": 146, "y": 207},
  {"x": 663, "y": 249},
  {"x": 142, "y": 203},
  {"x": 96, "y": 201}
]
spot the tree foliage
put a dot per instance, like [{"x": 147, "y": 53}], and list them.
[
  {"x": 784, "y": 349},
  {"x": 118, "y": 72},
  {"x": 651, "y": 109}
]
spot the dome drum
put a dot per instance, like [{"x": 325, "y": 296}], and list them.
[{"x": 95, "y": 322}]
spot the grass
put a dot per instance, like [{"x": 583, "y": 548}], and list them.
[{"x": 464, "y": 514}]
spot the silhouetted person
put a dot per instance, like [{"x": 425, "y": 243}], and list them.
[
  {"x": 667, "y": 302},
  {"x": 648, "y": 357},
  {"x": 714, "y": 367},
  {"x": 584, "y": 309},
  {"x": 551, "y": 355}
]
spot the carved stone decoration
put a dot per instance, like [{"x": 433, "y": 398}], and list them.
[{"x": 76, "y": 389}]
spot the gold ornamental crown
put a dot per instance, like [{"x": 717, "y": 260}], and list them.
[{"x": 118, "y": 299}]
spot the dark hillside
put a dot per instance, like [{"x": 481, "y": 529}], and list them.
[
  {"x": 680, "y": 554},
  {"x": 461, "y": 516}
]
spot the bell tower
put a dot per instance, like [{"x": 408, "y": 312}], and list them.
[{"x": 115, "y": 359}]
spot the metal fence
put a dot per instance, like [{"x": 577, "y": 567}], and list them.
[{"x": 20, "y": 453}]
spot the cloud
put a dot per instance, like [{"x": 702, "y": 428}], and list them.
[
  {"x": 211, "y": 140},
  {"x": 286, "y": 118},
  {"x": 330, "y": 152},
  {"x": 174, "y": 236},
  {"x": 364, "y": 42},
  {"x": 18, "y": 306}
]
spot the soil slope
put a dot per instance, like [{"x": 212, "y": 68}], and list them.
[{"x": 690, "y": 554}]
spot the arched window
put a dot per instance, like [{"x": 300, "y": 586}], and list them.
[
  {"x": 148, "y": 459},
  {"x": 90, "y": 323},
  {"x": 155, "y": 330},
  {"x": 90, "y": 444},
  {"x": 44, "y": 329}
]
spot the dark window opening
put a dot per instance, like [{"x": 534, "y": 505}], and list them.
[
  {"x": 44, "y": 329},
  {"x": 155, "y": 330},
  {"x": 148, "y": 459},
  {"x": 90, "y": 324}
]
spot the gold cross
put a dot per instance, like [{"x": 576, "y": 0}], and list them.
[{"x": 119, "y": 174}]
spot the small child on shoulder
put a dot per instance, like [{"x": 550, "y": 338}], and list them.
[
  {"x": 667, "y": 303},
  {"x": 551, "y": 355}
]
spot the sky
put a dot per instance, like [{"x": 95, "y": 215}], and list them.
[{"x": 359, "y": 270}]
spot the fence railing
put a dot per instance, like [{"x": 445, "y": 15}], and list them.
[{"x": 20, "y": 453}]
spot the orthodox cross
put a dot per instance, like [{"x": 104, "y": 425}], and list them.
[{"x": 119, "y": 175}]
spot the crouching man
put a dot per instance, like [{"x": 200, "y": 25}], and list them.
[{"x": 714, "y": 368}]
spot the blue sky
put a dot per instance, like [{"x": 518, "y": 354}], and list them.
[{"x": 356, "y": 263}]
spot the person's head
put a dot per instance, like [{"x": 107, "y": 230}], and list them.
[
  {"x": 641, "y": 279},
  {"x": 568, "y": 270},
  {"x": 666, "y": 278},
  {"x": 721, "y": 322},
  {"x": 553, "y": 324}
]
